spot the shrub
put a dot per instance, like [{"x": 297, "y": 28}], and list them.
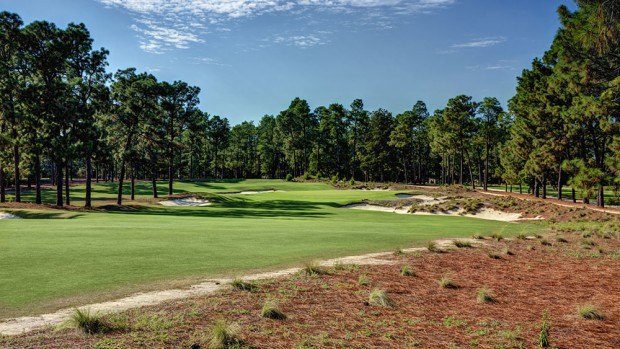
[
  {"x": 313, "y": 269},
  {"x": 224, "y": 335},
  {"x": 289, "y": 177},
  {"x": 432, "y": 246},
  {"x": 271, "y": 310},
  {"x": 521, "y": 236},
  {"x": 483, "y": 295},
  {"x": 334, "y": 179},
  {"x": 362, "y": 280},
  {"x": 497, "y": 236},
  {"x": 446, "y": 282},
  {"x": 380, "y": 297},
  {"x": 88, "y": 323},
  {"x": 242, "y": 285},
  {"x": 589, "y": 312},
  {"x": 462, "y": 244},
  {"x": 352, "y": 181},
  {"x": 545, "y": 327},
  {"x": 406, "y": 271},
  {"x": 477, "y": 236}
]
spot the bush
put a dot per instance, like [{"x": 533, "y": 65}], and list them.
[
  {"x": 406, "y": 271},
  {"x": 589, "y": 312},
  {"x": 362, "y": 280},
  {"x": 271, "y": 310},
  {"x": 483, "y": 295},
  {"x": 242, "y": 285},
  {"x": 432, "y": 246},
  {"x": 224, "y": 335},
  {"x": 88, "y": 323},
  {"x": 289, "y": 177},
  {"x": 446, "y": 282},
  {"x": 462, "y": 244},
  {"x": 334, "y": 179},
  {"x": 380, "y": 297},
  {"x": 313, "y": 269}
]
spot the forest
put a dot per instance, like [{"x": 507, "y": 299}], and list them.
[{"x": 63, "y": 116}]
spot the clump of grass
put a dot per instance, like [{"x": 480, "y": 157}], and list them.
[
  {"x": 462, "y": 244},
  {"x": 589, "y": 312},
  {"x": 544, "y": 242},
  {"x": 477, "y": 236},
  {"x": 507, "y": 252},
  {"x": 313, "y": 269},
  {"x": 561, "y": 239},
  {"x": 522, "y": 236},
  {"x": 380, "y": 297},
  {"x": 88, "y": 323},
  {"x": 271, "y": 310},
  {"x": 224, "y": 335},
  {"x": 339, "y": 266},
  {"x": 493, "y": 255},
  {"x": 483, "y": 295},
  {"x": 243, "y": 285},
  {"x": 545, "y": 328},
  {"x": 399, "y": 252},
  {"x": 432, "y": 246},
  {"x": 406, "y": 271},
  {"x": 363, "y": 280},
  {"x": 447, "y": 282},
  {"x": 497, "y": 236},
  {"x": 588, "y": 243},
  {"x": 530, "y": 248}
]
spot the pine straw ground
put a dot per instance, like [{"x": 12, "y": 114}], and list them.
[{"x": 332, "y": 310}]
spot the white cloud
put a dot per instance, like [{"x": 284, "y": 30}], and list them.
[
  {"x": 163, "y": 25},
  {"x": 482, "y": 42},
  {"x": 303, "y": 41}
]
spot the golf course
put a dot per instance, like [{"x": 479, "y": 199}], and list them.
[{"x": 63, "y": 258}]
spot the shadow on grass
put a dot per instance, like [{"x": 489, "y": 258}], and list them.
[{"x": 45, "y": 214}]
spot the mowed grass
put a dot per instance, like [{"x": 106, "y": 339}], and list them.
[{"x": 56, "y": 258}]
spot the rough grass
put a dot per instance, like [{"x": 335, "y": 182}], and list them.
[
  {"x": 447, "y": 282},
  {"x": 271, "y": 310},
  {"x": 224, "y": 335},
  {"x": 89, "y": 323},
  {"x": 380, "y": 297},
  {"x": 242, "y": 285},
  {"x": 589, "y": 312},
  {"x": 484, "y": 295}
]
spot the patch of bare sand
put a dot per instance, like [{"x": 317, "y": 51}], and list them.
[
  {"x": 188, "y": 201},
  {"x": 484, "y": 213},
  {"x": 5, "y": 215}
]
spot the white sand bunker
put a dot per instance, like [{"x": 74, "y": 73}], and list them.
[
  {"x": 484, "y": 213},
  {"x": 425, "y": 200},
  {"x": 4, "y": 215},
  {"x": 189, "y": 201}
]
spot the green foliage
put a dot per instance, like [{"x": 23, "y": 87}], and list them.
[
  {"x": 88, "y": 323},
  {"x": 224, "y": 335},
  {"x": 289, "y": 177},
  {"x": 405, "y": 270},
  {"x": 271, "y": 310},
  {"x": 589, "y": 312},
  {"x": 363, "y": 280},
  {"x": 380, "y": 297},
  {"x": 483, "y": 295},
  {"x": 447, "y": 282},
  {"x": 544, "y": 334},
  {"x": 243, "y": 285},
  {"x": 313, "y": 268}
]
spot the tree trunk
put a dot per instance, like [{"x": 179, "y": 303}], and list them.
[
  {"x": 601, "y": 197},
  {"x": 536, "y": 188},
  {"x": 461, "y": 168},
  {"x": 520, "y": 188},
  {"x": 67, "y": 197},
  {"x": 486, "y": 167},
  {"x": 170, "y": 172},
  {"x": 59, "y": 178},
  {"x": 560, "y": 182},
  {"x": 471, "y": 175},
  {"x": 574, "y": 197},
  {"x": 18, "y": 194},
  {"x": 154, "y": 184},
  {"x": 544, "y": 187},
  {"x": 2, "y": 185},
  {"x": 133, "y": 183},
  {"x": 89, "y": 179},
  {"x": 37, "y": 178},
  {"x": 121, "y": 178}
]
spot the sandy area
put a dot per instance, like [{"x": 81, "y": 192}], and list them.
[
  {"x": 190, "y": 201},
  {"x": 4, "y": 215},
  {"x": 484, "y": 213},
  {"x": 31, "y": 323}
]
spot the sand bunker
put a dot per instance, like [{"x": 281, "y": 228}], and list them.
[
  {"x": 190, "y": 201},
  {"x": 425, "y": 200},
  {"x": 484, "y": 213},
  {"x": 4, "y": 215}
]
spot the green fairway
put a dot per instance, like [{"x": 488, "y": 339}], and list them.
[{"x": 58, "y": 258}]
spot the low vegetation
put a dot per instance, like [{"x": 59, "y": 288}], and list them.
[{"x": 380, "y": 297}]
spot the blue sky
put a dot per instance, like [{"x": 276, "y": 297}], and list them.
[{"x": 252, "y": 57}]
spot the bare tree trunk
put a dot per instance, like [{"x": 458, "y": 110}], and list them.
[
  {"x": 471, "y": 175},
  {"x": 560, "y": 181},
  {"x": 486, "y": 167},
  {"x": 18, "y": 192},
  {"x": 37, "y": 178},
  {"x": 121, "y": 178},
  {"x": 67, "y": 197},
  {"x": 601, "y": 197},
  {"x": 89, "y": 179},
  {"x": 59, "y": 178},
  {"x": 133, "y": 182},
  {"x": 574, "y": 197},
  {"x": 2, "y": 185},
  {"x": 544, "y": 186}
]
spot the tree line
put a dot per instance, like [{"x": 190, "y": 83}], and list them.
[{"x": 62, "y": 115}]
